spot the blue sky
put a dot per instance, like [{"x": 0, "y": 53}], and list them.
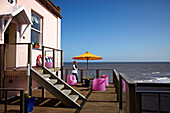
[{"x": 117, "y": 30}]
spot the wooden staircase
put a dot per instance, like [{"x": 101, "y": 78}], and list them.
[{"x": 56, "y": 86}]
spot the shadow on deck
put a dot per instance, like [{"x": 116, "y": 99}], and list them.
[{"x": 98, "y": 102}]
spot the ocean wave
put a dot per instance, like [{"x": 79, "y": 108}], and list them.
[
  {"x": 155, "y": 72},
  {"x": 163, "y": 79}
]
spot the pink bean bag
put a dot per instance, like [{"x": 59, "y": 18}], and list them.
[
  {"x": 71, "y": 80},
  {"x": 106, "y": 79},
  {"x": 99, "y": 84}
]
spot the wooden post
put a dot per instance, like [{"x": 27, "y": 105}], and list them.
[
  {"x": 81, "y": 74},
  {"x": 120, "y": 92},
  {"x": 66, "y": 73},
  {"x": 5, "y": 107},
  {"x": 30, "y": 65},
  {"x": 131, "y": 98},
  {"x": 22, "y": 102},
  {"x": 138, "y": 102},
  {"x": 113, "y": 76},
  {"x": 43, "y": 56},
  {"x": 30, "y": 54},
  {"x": 62, "y": 64},
  {"x": 97, "y": 73},
  {"x": 1, "y": 68},
  {"x": 159, "y": 103},
  {"x": 54, "y": 59},
  {"x": 43, "y": 92}
]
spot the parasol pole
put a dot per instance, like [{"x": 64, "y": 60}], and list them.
[{"x": 87, "y": 67}]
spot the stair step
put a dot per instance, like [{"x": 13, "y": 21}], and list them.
[
  {"x": 53, "y": 81},
  {"x": 40, "y": 71},
  {"x": 66, "y": 91},
  {"x": 74, "y": 97},
  {"x": 54, "y": 73},
  {"x": 59, "y": 86},
  {"x": 46, "y": 75}
]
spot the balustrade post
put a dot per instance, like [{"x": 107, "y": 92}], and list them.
[
  {"x": 97, "y": 73},
  {"x": 120, "y": 92},
  {"x": 2, "y": 68},
  {"x": 22, "y": 102},
  {"x": 30, "y": 54},
  {"x": 5, "y": 107},
  {"x": 131, "y": 98},
  {"x": 62, "y": 64},
  {"x": 43, "y": 56},
  {"x": 66, "y": 73},
  {"x": 113, "y": 77},
  {"x": 54, "y": 59},
  {"x": 159, "y": 103},
  {"x": 81, "y": 74},
  {"x": 30, "y": 65}
]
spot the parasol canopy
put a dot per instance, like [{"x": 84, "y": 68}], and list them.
[{"x": 87, "y": 56}]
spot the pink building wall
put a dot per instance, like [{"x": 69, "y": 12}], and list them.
[{"x": 51, "y": 29}]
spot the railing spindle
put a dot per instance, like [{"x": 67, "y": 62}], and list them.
[
  {"x": 54, "y": 59},
  {"x": 81, "y": 73},
  {"x": 43, "y": 56},
  {"x": 66, "y": 73},
  {"x": 5, "y": 101},
  {"x": 97, "y": 73},
  {"x": 62, "y": 64}
]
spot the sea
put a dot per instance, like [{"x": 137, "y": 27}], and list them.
[{"x": 145, "y": 72}]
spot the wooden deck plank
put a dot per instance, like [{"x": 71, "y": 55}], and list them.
[{"x": 98, "y": 102}]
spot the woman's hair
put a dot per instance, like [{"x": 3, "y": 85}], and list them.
[{"x": 74, "y": 62}]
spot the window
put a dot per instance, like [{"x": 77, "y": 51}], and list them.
[
  {"x": 36, "y": 28},
  {"x": 12, "y": 2}
]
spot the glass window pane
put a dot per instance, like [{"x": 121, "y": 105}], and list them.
[
  {"x": 35, "y": 36},
  {"x": 36, "y": 21}
]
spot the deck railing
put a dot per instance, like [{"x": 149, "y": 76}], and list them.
[
  {"x": 93, "y": 73},
  {"x": 22, "y": 102},
  {"x": 54, "y": 58},
  {"x": 131, "y": 94}
]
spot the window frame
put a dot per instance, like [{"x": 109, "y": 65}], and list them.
[{"x": 38, "y": 31}]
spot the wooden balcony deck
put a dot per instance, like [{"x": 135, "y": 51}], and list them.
[{"x": 98, "y": 102}]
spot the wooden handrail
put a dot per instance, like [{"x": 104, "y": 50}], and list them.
[
  {"x": 126, "y": 78},
  {"x": 52, "y": 48}
]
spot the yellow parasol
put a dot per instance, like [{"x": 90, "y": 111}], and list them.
[{"x": 87, "y": 56}]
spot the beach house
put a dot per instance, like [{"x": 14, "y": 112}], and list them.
[{"x": 23, "y": 22}]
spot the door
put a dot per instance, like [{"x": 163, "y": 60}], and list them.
[{"x": 10, "y": 37}]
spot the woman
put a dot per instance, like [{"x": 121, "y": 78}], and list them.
[{"x": 74, "y": 71}]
